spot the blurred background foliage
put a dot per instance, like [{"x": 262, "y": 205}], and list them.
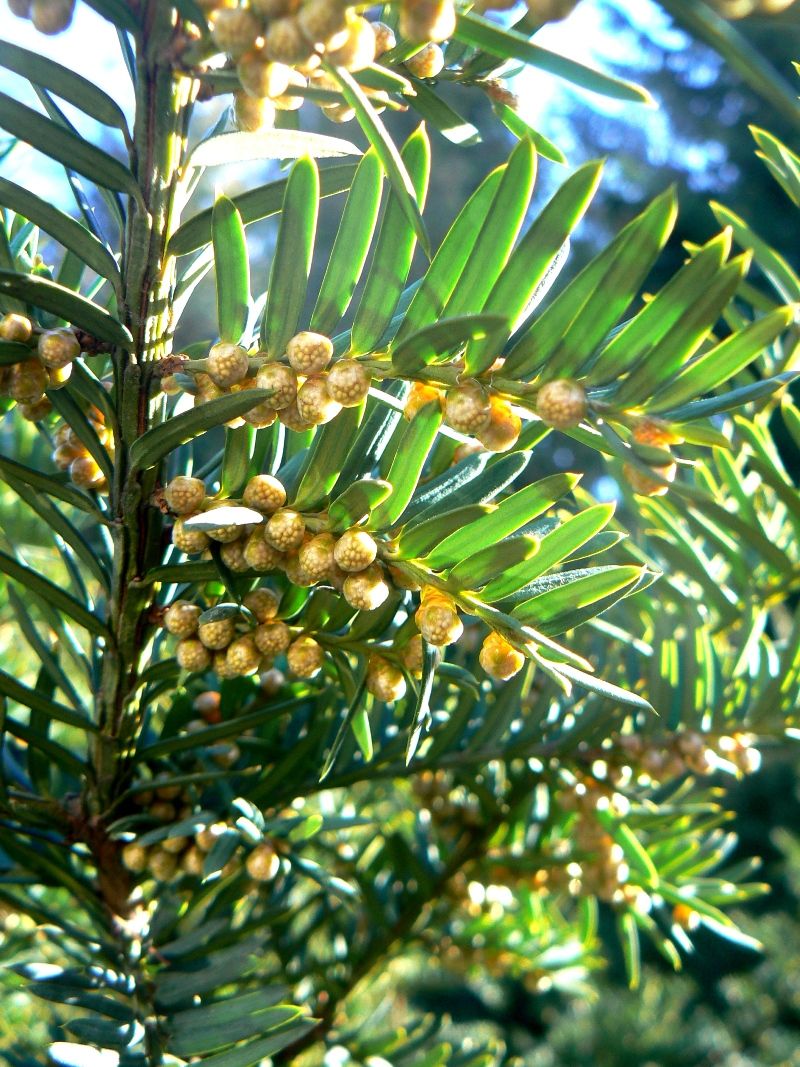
[{"x": 731, "y": 1006}]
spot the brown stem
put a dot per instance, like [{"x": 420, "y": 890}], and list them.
[{"x": 162, "y": 108}]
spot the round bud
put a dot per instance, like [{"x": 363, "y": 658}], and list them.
[
  {"x": 438, "y": 621},
  {"x": 206, "y": 838},
  {"x": 134, "y": 857},
  {"x": 427, "y": 20},
  {"x": 239, "y": 387},
  {"x": 162, "y": 811},
  {"x": 37, "y": 411},
  {"x": 418, "y": 397},
  {"x": 355, "y": 551},
  {"x": 192, "y": 861},
  {"x": 348, "y": 382},
  {"x": 219, "y": 665},
  {"x": 59, "y": 347},
  {"x": 227, "y": 364},
  {"x": 261, "y": 416},
  {"x": 208, "y": 706},
  {"x": 413, "y": 656},
  {"x": 162, "y": 864},
  {"x": 654, "y": 432},
  {"x": 315, "y": 404},
  {"x": 86, "y": 474},
  {"x": 52, "y": 16},
  {"x": 262, "y": 603},
  {"x": 57, "y": 377},
  {"x": 561, "y": 404},
  {"x": 64, "y": 455},
  {"x": 63, "y": 434},
  {"x": 272, "y": 638},
  {"x": 192, "y": 542},
  {"x": 322, "y": 23},
  {"x": 271, "y": 682},
  {"x": 385, "y": 39},
  {"x": 234, "y": 30},
  {"x": 466, "y": 408},
  {"x": 192, "y": 655},
  {"x": 296, "y": 572},
  {"x": 339, "y": 112},
  {"x": 499, "y": 658},
  {"x": 174, "y": 845},
  {"x": 243, "y": 656},
  {"x": 264, "y": 493},
  {"x": 252, "y": 114},
  {"x": 465, "y": 450},
  {"x": 293, "y": 101},
  {"x": 385, "y": 681},
  {"x": 286, "y": 43},
  {"x": 27, "y": 381},
  {"x": 181, "y": 618},
  {"x": 285, "y": 530},
  {"x": 644, "y": 484},
  {"x": 20, "y": 8},
  {"x": 232, "y": 555},
  {"x": 281, "y": 380},
  {"x": 227, "y": 534},
  {"x": 366, "y": 590},
  {"x": 274, "y": 9},
  {"x": 260, "y": 555},
  {"x": 309, "y": 353},
  {"x": 291, "y": 418},
  {"x": 499, "y": 93},
  {"x": 426, "y": 63},
  {"x": 260, "y": 77},
  {"x": 503, "y": 428},
  {"x": 15, "y": 327},
  {"x": 357, "y": 50},
  {"x": 217, "y": 635},
  {"x": 205, "y": 389},
  {"x": 263, "y": 864},
  {"x": 305, "y": 657},
  {"x": 185, "y": 496},
  {"x": 316, "y": 556}
]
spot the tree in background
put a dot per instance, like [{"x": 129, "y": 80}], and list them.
[{"x": 317, "y": 670}]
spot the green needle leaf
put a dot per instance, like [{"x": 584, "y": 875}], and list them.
[
  {"x": 437, "y": 343},
  {"x": 232, "y": 270},
  {"x": 255, "y": 204},
  {"x": 71, "y": 234},
  {"x": 42, "y": 587},
  {"x": 394, "y": 251},
  {"x": 508, "y": 44},
  {"x": 386, "y": 150},
  {"x": 62, "y": 302},
  {"x": 406, "y": 468},
  {"x": 512, "y": 513},
  {"x": 62, "y": 81},
  {"x": 291, "y": 263},
  {"x": 158, "y": 441},
  {"x": 68, "y": 148},
  {"x": 351, "y": 246}
]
